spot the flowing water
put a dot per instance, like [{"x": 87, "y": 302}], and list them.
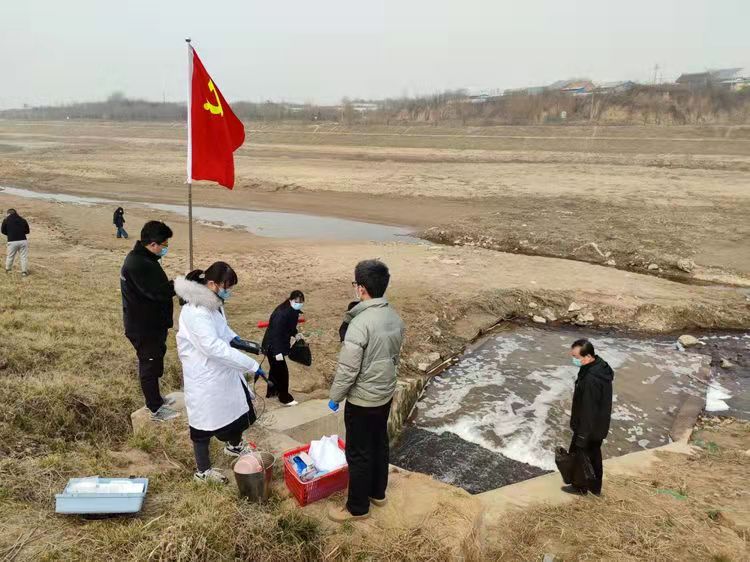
[
  {"x": 497, "y": 416},
  {"x": 261, "y": 223}
]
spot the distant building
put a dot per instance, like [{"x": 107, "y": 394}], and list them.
[
  {"x": 578, "y": 88},
  {"x": 532, "y": 91},
  {"x": 482, "y": 95},
  {"x": 724, "y": 77},
  {"x": 615, "y": 87},
  {"x": 365, "y": 107},
  {"x": 695, "y": 80},
  {"x": 574, "y": 86}
]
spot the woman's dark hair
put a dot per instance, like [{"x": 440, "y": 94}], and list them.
[
  {"x": 220, "y": 273},
  {"x": 293, "y": 296}
]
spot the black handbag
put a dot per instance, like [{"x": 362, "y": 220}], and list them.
[
  {"x": 565, "y": 464},
  {"x": 300, "y": 353}
]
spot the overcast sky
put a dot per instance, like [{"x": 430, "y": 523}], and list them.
[{"x": 56, "y": 51}]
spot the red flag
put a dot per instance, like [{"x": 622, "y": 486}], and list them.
[{"x": 214, "y": 132}]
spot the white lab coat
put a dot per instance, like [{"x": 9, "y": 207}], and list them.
[{"x": 213, "y": 371}]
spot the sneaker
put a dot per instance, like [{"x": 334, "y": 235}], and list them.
[
  {"x": 168, "y": 400},
  {"x": 243, "y": 448},
  {"x": 25, "y": 274},
  {"x": 341, "y": 514},
  {"x": 164, "y": 413},
  {"x": 379, "y": 503},
  {"x": 211, "y": 475},
  {"x": 292, "y": 403}
]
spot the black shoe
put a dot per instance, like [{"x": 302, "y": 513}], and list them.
[{"x": 574, "y": 490}]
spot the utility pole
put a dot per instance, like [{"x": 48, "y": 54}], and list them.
[{"x": 656, "y": 70}]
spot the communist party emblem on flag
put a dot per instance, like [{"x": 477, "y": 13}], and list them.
[{"x": 214, "y": 132}]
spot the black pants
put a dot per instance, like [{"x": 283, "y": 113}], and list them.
[
  {"x": 593, "y": 450},
  {"x": 278, "y": 372},
  {"x": 367, "y": 454},
  {"x": 150, "y": 350},
  {"x": 231, "y": 434}
]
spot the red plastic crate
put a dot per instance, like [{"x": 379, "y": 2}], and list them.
[{"x": 314, "y": 490}]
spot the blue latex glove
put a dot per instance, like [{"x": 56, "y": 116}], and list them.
[
  {"x": 334, "y": 406},
  {"x": 261, "y": 373}
]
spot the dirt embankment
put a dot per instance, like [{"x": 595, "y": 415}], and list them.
[{"x": 705, "y": 242}]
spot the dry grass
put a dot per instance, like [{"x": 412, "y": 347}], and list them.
[
  {"x": 637, "y": 520},
  {"x": 68, "y": 383}
]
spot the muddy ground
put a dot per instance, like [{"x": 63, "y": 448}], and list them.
[{"x": 674, "y": 197}]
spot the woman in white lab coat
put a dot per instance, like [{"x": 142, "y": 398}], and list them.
[{"x": 217, "y": 396}]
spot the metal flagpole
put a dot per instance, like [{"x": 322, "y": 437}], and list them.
[{"x": 190, "y": 149}]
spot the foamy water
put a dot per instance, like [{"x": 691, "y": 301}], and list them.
[{"x": 512, "y": 394}]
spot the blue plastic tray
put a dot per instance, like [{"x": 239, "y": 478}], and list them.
[{"x": 95, "y": 502}]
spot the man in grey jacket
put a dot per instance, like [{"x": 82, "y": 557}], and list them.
[{"x": 366, "y": 379}]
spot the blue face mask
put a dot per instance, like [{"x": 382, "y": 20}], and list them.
[
  {"x": 297, "y": 305},
  {"x": 577, "y": 362},
  {"x": 163, "y": 251},
  {"x": 224, "y": 294}
]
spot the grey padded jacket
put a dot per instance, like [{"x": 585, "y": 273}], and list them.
[{"x": 368, "y": 362}]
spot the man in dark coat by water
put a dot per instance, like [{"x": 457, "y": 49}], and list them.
[
  {"x": 591, "y": 412},
  {"x": 147, "y": 311}
]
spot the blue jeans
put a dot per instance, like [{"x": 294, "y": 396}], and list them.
[{"x": 121, "y": 232}]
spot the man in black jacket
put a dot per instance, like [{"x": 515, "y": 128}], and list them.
[
  {"x": 591, "y": 411},
  {"x": 147, "y": 311},
  {"x": 16, "y": 228}
]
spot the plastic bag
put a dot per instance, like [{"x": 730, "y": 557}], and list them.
[
  {"x": 326, "y": 454},
  {"x": 300, "y": 353},
  {"x": 248, "y": 464}
]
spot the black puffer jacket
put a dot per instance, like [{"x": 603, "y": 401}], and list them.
[
  {"x": 592, "y": 401},
  {"x": 345, "y": 324},
  {"x": 282, "y": 327},
  {"x": 146, "y": 294},
  {"x": 118, "y": 219},
  {"x": 15, "y": 227}
]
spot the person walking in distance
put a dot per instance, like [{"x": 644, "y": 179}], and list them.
[
  {"x": 16, "y": 228},
  {"x": 282, "y": 327},
  {"x": 366, "y": 379},
  {"x": 119, "y": 221},
  {"x": 591, "y": 411},
  {"x": 147, "y": 311}
]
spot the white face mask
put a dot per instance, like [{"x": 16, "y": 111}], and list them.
[{"x": 357, "y": 296}]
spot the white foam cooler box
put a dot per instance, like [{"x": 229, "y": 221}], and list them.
[{"x": 96, "y": 495}]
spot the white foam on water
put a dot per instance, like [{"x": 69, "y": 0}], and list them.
[
  {"x": 524, "y": 432},
  {"x": 481, "y": 369},
  {"x": 620, "y": 412},
  {"x": 512, "y": 395},
  {"x": 715, "y": 398}
]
